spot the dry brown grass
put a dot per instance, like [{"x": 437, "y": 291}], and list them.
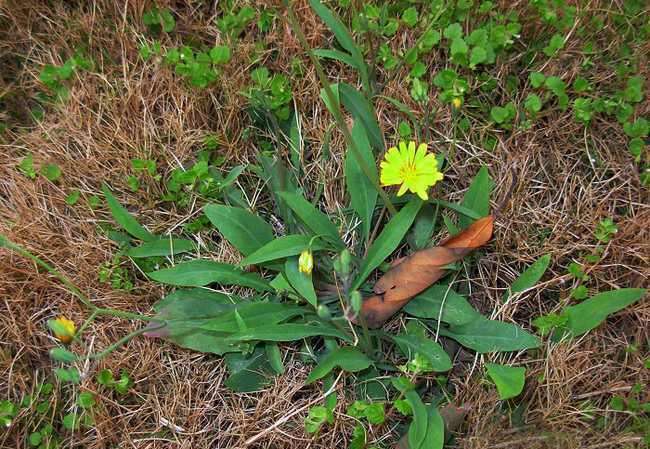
[{"x": 126, "y": 109}]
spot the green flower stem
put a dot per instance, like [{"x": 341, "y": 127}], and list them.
[
  {"x": 82, "y": 328},
  {"x": 6, "y": 243},
  {"x": 125, "y": 315},
  {"x": 338, "y": 115},
  {"x": 121, "y": 341}
]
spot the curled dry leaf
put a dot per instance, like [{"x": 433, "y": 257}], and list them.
[{"x": 415, "y": 273}]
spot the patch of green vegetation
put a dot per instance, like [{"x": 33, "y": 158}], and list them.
[
  {"x": 55, "y": 77},
  {"x": 159, "y": 19}
]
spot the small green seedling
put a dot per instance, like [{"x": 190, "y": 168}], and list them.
[
  {"x": 120, "y": 386},
  {"x": 26, "y": 166},
  {"x": 159, "y": 19}
]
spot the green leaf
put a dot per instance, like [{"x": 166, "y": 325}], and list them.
[
  {"x": 636, "y": 147},
  {"x": 533, "y": 103},
  {"x": 248, "y": 372},
  {"x": 105, "y": 377},
  {"x": 508, "y": 379},
  {"x": 483, "y": 335},
  {"x": 72, "y": 198},
  {"x": 220, "y": 54},
  {"x": 555, "y": 44},
  {"x": 86, "y": 400},
  {"x": 477, "y": 56},
  {"x": 453, "y": 31},
  {"x": 426, "y": 347},
  {"x": 423, "y": 227},
  {"x": 591, "y": 312},
  {"x": 634, "y": 90},
  {"x": 70, "y": 375},
  {"x": 205, "y": 322},
  {"x": 62, "y": 355},
  {"x": 35, "y": 438},
  {"x": 288, "y": 332},
  {"x": 388, "y": 240},
  {"x": 342, "y": 36},
  {"x": 639, "y": 128},
  {"x": 314, "y": 219},
  {"x": 337, "y": 55},
  {"x": 51, "y": 171},
  {"x": 245, "y": 231},
  {"x": 162, "y": 247},
  {"x": 26, "y": 166},
  {"x": 477, "y": 197},
  {"x": 286, "y": 246},
  {"x": 419, "y": 426},
  {"x": 361, "y": 109},
  {"x": 455, "y": 308},
  {"x": 435, "y": 436},
  {"x": 274, "y": 355},
  {"x": 410, "y": 17},
  {"x": 458, "y": 47},
  {"x": 348, "y": 358},
  {"x": 197, "y": 273},
  {"x": 125, "y": 219},
  {"x": 536, "y": 79},
  {"x": 531, "y": 276},
  {"x": 363, "y": 195},
  {"x": 301, "y": 282},
  {"x": 71, "y": 421},
  {"x": 326, "y": 99}
]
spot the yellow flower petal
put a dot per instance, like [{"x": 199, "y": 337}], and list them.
[
  {"x": 306, "y": 262},
  {"x": 411, "y": 167},
  {"x": 68, "y": 329}
]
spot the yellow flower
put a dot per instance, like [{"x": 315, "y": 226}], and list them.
[
  {"x": 306, "y": 262},
  {"x": 457, "y": 102},
  {"x": 64, "y": 329},
  {"x": 412, "y": 170}
]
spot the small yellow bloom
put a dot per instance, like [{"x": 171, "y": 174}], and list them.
[
  {"x": 457, "y": 102},
  {"x": 412, "y": 170},
  {"x": 68, "y": 329},
  {"x": 306, "y": 262}
]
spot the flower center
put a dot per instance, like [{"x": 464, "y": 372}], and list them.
[{"x": 408, "y": 171}]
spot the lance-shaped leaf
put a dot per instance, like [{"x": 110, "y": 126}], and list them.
[
  {"x": 477, "y": 197},
  {"x": 361, "y": 109},
  {"x": 314, "y": 219},
  {"x": 420, "y": 270},
  {"x": 125, "y": 219},
  {"x": 455, "y": 308},
  {"x": 162, "y": 247},
  {"x": 300, "y": 281},
  {"x": 483, "y": 335},
  {"x": 388, "y": 240},
  {"x": 363, "y": 195},
  {"x": 286, "y": 246},
  {"x": 588, "y": 314},
  {"x": 245, "y": 231},
  {"x": 197, "y": 273}
]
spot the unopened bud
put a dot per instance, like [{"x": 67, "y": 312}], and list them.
[
  {"x": 324, "y": 312},
  {"x": 306, "y": 262},
  {"x": 346, "y": 260},
  {"x": 355, "y": 301}
]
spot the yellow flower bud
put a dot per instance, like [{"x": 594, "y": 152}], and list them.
[
  {"x": 457, "y": 102},
  {"x": 64, "y": 329},
  {"x": 306, "y": 262}
]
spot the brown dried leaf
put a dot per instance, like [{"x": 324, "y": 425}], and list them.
[{"x": 415, "y": 273}]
